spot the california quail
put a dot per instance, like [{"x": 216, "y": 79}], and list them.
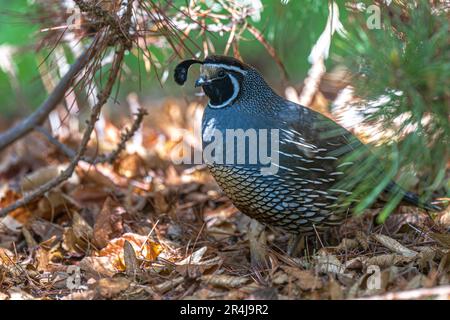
[{"x": 301, "y": 195}]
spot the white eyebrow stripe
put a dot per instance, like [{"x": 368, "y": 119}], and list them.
[{"x": 227, "y": 67}]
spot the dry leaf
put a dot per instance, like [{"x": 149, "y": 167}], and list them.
[
  {"x": 160, "y": 203},
  {"x": 355, "y": 263},
  {"x": 108, "y": 224},
  {"x": 425, "y": 257},
  {"x": 280, "y": 277},
  {"x": 110, "y": 287},
  {"x": 335, "y": 290},
  {"x": 224, "y": 280},
  {"x": 444, "y": 217},
  {"x": 144, "y": 249},
  {"x": 129, "y": 165},
  {"x": 87, "y": 193},
  {"x": 394, "y": 245},
  {"x": 98, "y": 266},
  {"x": 193, "y": 264},
  {"x": 71, "y": 243},
  {"x": 444, "y": 264},
  {"x": 220, "y": 230},
  {"x": 17, "y": 218},
  {"x": 45, "y": 229},
  {"x": 264, "y": 294},
  {"x": 31, "y": 243},
  {"x": 416, "y": 282},
  {"x": 442, "y": 239},
  {"x": 129, "y": 258},
  {"x": 362, "y": 239},
  {"x": 347, "y": 244},
  {"x": 17, "y": 293},
  {"x": 76, "y": 239},
  {"x": 387, "y": 260},
  {"x": 42, "y": 259},
  {"x": 328, "y": 264},
  {"x": 81, "y": 229},
  {"x": 306, "y": 279},
  {"x": 50, "y": 206},
  {"x": 82, "y": 295},
  {"x": 43, "y": 175},
  {"x": 92, "y": 175},
  {"x": 7, "y": 258}
]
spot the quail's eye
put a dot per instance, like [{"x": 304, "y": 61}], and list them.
[{"x": 221, "y": 74}]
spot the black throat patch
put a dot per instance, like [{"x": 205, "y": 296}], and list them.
[{"x": 220, "y": 90}]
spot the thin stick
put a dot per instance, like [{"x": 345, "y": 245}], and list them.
[
  {"x": 102, "y": 98},
  {"x": 127, "y": 135},
  {"x": 67, "y": 173},
  {"x": 67, "y": 151},
  {"x": 38, "y": 117},
  {"x": 110, "y": 158}
]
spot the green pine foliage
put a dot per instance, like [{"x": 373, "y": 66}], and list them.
[{"x": 406, "y": 63}]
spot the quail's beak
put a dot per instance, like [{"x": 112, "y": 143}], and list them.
[{"x": 201, "y": 81}]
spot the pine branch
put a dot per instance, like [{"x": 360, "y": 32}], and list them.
[
  {"x": 67, "y": 173},
  {"x": 102, "y": 98},
  {"x": 40, "y": 115}
]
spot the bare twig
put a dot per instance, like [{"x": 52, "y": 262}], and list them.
[
  {"x": 61, "y": 146},
  {"x": 102, "y": 98},
  {"x": 67, "y": 173},
  {"x": 110, "y": 158},
  {"x": 125, "y": 136},
  {"x": 39, "y": 116}
]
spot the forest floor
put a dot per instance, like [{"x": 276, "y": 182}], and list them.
[{"x": 146, "y": 229}]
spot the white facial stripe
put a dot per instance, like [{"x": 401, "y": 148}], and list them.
[
  {"x": 235, "y": 94},
  {"x": 226, "y": 67}
]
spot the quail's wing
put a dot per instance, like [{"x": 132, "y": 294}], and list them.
[
  {"x": 321, "y": 148},
  {"x": 315, "y": 142},
  {"x": 312, "y": 161}
]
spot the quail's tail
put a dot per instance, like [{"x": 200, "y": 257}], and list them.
[{"x": 412, "y": 198}]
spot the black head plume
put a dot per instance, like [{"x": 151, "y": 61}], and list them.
[{"x": 181, "y": 70}]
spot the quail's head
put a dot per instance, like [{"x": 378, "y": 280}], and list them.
[{"x": 221, "y": 78}]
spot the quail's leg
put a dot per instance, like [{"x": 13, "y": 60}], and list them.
[
  {"x": 294, "y": 244},
  {"x": 257, "y": 238}
]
